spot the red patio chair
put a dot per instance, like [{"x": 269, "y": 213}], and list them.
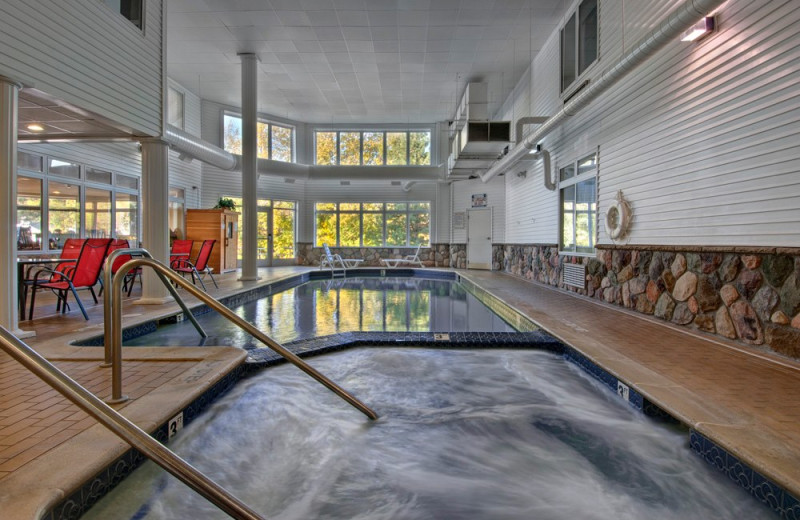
[
  {"x": 180, "y": 252},
  {"x": 200, "y": 265},
  {"x": 130, "y": 277},
  {"x": 81, "y": 275},
  {"x": 70, "y": 251}
]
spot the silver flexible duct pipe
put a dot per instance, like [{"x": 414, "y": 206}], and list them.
[
  {"x": 191, "y": 146},
  {"x": 688, "y": 13}
]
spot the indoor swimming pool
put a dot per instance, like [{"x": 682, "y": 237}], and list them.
[
  {"x": 490, "y": 434},
  {"x": 332, "y": 306}
]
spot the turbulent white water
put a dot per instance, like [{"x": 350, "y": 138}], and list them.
[{"x": 464, "y": 434}]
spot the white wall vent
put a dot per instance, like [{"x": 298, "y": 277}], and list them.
[{"x": 575, "y": 275}]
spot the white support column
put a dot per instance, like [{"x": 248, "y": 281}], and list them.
[
  {"x": 9, "y": 113},
  {"x": 155, "y": 217},
  {"x": 249, "y": 166}
]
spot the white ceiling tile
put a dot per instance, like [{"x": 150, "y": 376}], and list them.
[
  {"x": 386, "y": 46},
  {"x": 412, "y": 33},
  {"x": 383, "y": 18},
  {"x": 357, "y": 33},
  {"x": 323, "y": 18},
  {"x": 308, "y": 46},
  {"x": 329, "y": 33},
  {"x": 375, "y": 60},
  {"x": 293, "y": 18},
  {"x": 384, "y": 33},
  {"x": 333, "y": 46},
  {"x": 360, "y": 46},
  {"x": 353, "y": 18}
]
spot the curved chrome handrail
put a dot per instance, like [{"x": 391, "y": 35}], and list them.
[
  {"x": 108, "y": 302},
  {"x": 123, "y": 428},
  {"x": 116, "y": 332}
]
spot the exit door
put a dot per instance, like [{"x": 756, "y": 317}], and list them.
[{"x": 479, "y": 238}]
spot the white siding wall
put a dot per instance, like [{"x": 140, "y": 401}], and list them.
[
  {"x": 702, "y": 138},
  {"x": 116, "y": 157},
  {"x": 495, "y": 191},
  {"x": 85, "y": 54},
  {"x": 184, "y": 174}
]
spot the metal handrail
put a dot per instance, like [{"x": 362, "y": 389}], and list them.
[
  {"x": 116, "y": 332},
  {"x": 108, "y": 302},
  {"x": 123, "y": 428}
]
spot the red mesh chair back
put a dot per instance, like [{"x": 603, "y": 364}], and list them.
[
  {"x": 118, "y": 243},
  {"x": 70, "y": 251},
  {"x": 87, "y": 270},
  {"x": 181, "y": 249},
  {"x": 203, "y": 255}
]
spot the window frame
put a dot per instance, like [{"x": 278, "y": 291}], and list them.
[
  {"x": 384, "y": 144},
  {"x": 269, "y": 124},
  {"x": 174, "y": 94},
  {"x": 82, "y": 183},
  {"x": 578, "y": 45},
  {"x": 384, "y": 213},
  {"x": 573, "y": 180}
]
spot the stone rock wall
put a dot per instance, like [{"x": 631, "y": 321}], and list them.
[
  {"x": 752, "y": 297},
  {"x": 539, "y": 263}
]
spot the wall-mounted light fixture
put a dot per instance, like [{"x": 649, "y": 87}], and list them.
[{"x": 702, "y": 28}]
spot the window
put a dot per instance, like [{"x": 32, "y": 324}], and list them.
[
  {"x": 130, "y": 9},
  {"x": 126, "y": 218},
  {"x": 64, "y": 213},
  {"x": 578, "y": 195},
  {"x": 373, "y": 148},
  {"x": 281, "y": 215},
  {"x": 29, "y": 213},
  {"x": 372, "y": 224},
  {"x": 175, "y": 107},
  {"x": 274, "y": 141},
  {"x": 98, "y": 213},
  {"x": 177, "y": 213},
  {"x": 578, "y": 42}
]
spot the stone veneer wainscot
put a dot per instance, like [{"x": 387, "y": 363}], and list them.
[{"x": 747, "y": 294}]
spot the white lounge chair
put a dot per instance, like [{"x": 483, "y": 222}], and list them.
[
  {"x": 334, "y": 261},
  {"x": 408, "y": 259}
]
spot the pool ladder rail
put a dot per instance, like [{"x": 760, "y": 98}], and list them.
[
  {"x": 113, "y": 326},
  {"x": 116, "y": 422}
]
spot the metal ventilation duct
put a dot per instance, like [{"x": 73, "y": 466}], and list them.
[
  {"x": 191, "y": 146},
  {"x": 685, "y": 15}
]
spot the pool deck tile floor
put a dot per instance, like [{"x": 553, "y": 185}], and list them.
[{"x": 745, "y": 399}]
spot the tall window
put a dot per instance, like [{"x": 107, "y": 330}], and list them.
[
  {"x": 578, "y": 42},
  {"x": 126, "y": 217},
  {"x": 177, "y": 213},
  {"x": 274, "y": 141},
  {"x": 281, "y": 216},
  {"x": 64, "y": 213},
  {"x": 578, "y": 194},
  {"x": 373, "y": 148},
  {"x": 29, "y": 214},
  {"x": 98, "y": 213},
  {"x": 372, "y": 224}
]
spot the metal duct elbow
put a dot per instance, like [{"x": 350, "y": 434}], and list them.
[
  {"x": 530, "y": 120},
  {"x": 191, "y": 146},
  {"x": 407, "y": 186}
]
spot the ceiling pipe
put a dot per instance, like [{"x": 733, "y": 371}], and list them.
[
  {"x": 188, "y": 145},
  {"x": 530, "y": 120},
  {"x": 684, "y": 16}
]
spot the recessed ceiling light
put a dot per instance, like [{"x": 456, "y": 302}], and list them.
[{"x": 35, "y": 127}]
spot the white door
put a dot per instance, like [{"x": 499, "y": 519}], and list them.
[{"x": 479, "y": 238}]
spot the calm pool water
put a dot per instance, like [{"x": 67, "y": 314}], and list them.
[
  {"x": 324, "y": 307},
  {"x": 463, "y": 434}
]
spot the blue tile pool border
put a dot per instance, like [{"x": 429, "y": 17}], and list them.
[{"x": 763, "y": 489}]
